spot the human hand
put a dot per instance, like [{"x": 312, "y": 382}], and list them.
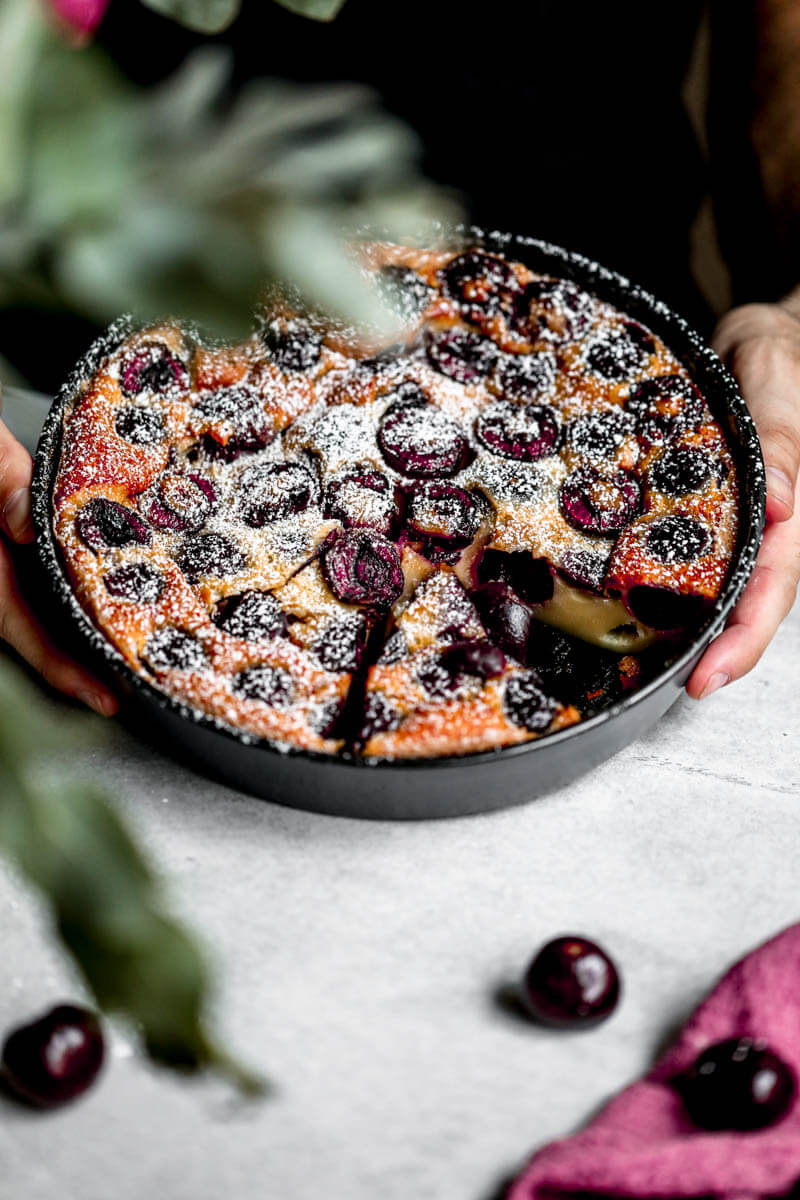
[
  {"x": 18, "y": 626},
  {"x": 761, "y": 344}
]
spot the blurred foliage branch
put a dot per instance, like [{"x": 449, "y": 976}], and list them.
[
  {"x": 106, "y": 902},
  {"x": 211, "y": 16},
  {"x": 180, "y": 199}
]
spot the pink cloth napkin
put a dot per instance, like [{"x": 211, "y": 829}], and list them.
[{"x": 643, "y": 1145}]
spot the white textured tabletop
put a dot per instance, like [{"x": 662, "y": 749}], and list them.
[{"x": 360, "y": 963}]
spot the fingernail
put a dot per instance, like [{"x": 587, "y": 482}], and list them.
[
  {"x": 17, "y": 512},
  {"x": 95, "y": 701},
  {"x": 716, "y": 682},
  {"x": 780, "y": 486}
]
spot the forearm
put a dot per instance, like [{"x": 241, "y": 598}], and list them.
[{"x": 754, "y": 138}]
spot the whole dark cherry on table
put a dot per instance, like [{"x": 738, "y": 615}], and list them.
[
  {"x": 737, "y": 1084},
  {"x": 55, "y": 1058},
  {"x": 571, "y": 984}
]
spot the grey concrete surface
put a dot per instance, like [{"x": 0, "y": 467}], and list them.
[{"x": 359, "y": 963}]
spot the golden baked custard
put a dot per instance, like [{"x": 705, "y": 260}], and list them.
[{"x": 472, "y": 538}]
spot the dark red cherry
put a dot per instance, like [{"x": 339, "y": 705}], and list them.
[
  {"x": 571, "y": 984},
  {"x": 271, "y": 491},
  {"x": 663, "y": 608},
  {"x": 554, "y": 309},
  {"x": 665, "y": 406},
  {"x": 460, "y": 354},
  {"x": 442, "y": 514},
  {"x": 598, "y": 436},
  {"x": 239, "y": 413},
  {"x": 526, "y": 704},
  {"x": 102, "y": 523},
  {"x": 251, "y": 616},
  {"x": 526, "y": 376},
  {"x": 584, "y": 568},
  {"x": 55, "y": 1058},
  {"x": 379, "y": 716},
  {"x": 271, "y": 685},
  {"x": 679, "y": 470},
  {"x": 341, "y": 645},
  {"x": 184, "y": 503},
  {"x": 293, "y": 345},
  {"x": 362, "y": 497},
  {"x": 525, "y": 432},
  {"x": 618, "y": 351},
  {"x": 452, "y": 667},
  {"x": 531, "y": 578},
  {"x": 326, "y": 719},
  {"x": 138, "y": 582},
  {"x": 363, "y": 567},
  {"x": 152, "y": 368},
  {"x": 209, "y": 554},
  {"x": 418, "y": 439},
  {"x": 404, "y": 290},
  {"x": 737, "y": 1084},
  {"x": 481, "y": 284},
  {"x": 597, "y": 503},
  {"x": 677, "y": 539},
  {"x": 171, "y": 649},
  {"x": 142, "y": 426},
  {"x": 504, "y": 616}
]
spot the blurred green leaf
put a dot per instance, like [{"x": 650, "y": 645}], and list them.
[
  {"x": 317, "y": 10},
  {"x": 175, "y": 200},
  {"x": 204, "y": 16},
  {"x": 106, "y": 901}
]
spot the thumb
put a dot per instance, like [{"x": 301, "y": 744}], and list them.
[
  {"x": 764, "y": 355},
  {"x": 16, "y": 469}
]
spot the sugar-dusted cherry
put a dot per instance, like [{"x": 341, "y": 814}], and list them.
[
  {"x": 480, "y": 283},
  {"x": 270, "y": 492},
  {"x": 460, "y": 354},
  {"x": 293, "y": 345},
  {"x": 618, "y": 351},
  {"x": 270, "y": 685},
  {"x": 663, "y": 407},
  {"x": 104, "y": 523},
  {"x": 676, "y": 538},
  {"x": 183, "y": 503},
  {"x": 363, "y": 567},
  {"x": 152, "y": 367},
  {"x": 251, "y": 616},
  {"x": 525, "y": 376},
  {"x": 553, "y": 309},
  {"x": 594, "y": 502},
  {"x": 138, "y": 582},
  {"x": 525, "y": 432},
  {"x": 452, "y": 667},
  {"x": 442, "y": 514},
  {"x": 172, "y": 649},
  {"x": 404, "y": 290},
  {"x": 142, "y": 426},
  {"x": 527, "y": 704},
  {"x": 55, "y": 1058},
  {"x": 361, "y": 496},
  {"x": 571, "y": 983},
  {"x": 419, "y": 440},
  {"x": 738, "y": 1083},
  {"x": 209, "y": 554}
]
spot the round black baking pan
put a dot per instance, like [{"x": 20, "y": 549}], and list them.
[{"x": 457, "y": 784}]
